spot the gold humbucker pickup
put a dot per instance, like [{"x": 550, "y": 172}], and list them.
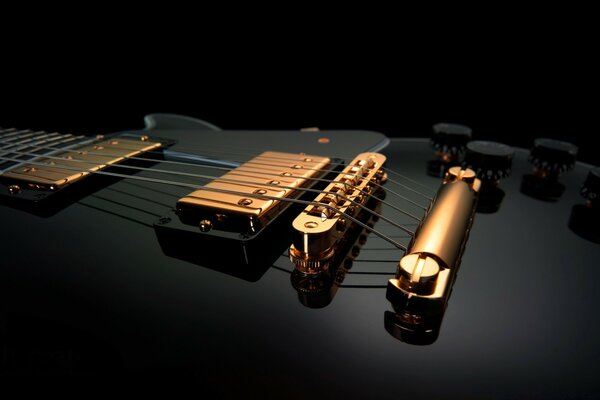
[
  {"x": 242, "y": 200},
  {"x": 65, "y": 167},
  {"x": 322, "y": 224}
]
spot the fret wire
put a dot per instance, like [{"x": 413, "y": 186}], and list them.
[{"x": 253, "y": 195}]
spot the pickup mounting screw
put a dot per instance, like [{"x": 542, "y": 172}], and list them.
[
  {"x": 14, "y": 189},
  {"x": 205, "y": 225}
]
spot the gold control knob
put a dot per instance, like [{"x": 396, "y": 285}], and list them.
[
  {"x": 308, "y": 265},
  {"x": 418, "y": 273}
]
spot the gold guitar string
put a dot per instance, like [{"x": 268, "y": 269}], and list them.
[{"x": 237, "y": 193}]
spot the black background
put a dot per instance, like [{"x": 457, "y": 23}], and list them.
[{"x": 511, "y": 79}]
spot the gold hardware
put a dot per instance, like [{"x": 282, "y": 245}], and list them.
[
  {"x": 426, "y": 273},
  {"x": 248, "y": 212},
  {"x": 79, "y": 164},
  {"x": 205, "y": 225},
  {"x": 144, "y": 138},
  {"x": 320, "y": 226},
  {"x": 324, "y": 140},
  {"x": 315, "y": 289},
  {"x": 14, "y": 189}
]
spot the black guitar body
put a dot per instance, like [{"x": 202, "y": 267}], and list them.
[{"x": 95, "y": 288}]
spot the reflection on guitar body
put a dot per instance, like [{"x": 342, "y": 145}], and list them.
[{"x": 256, "y": 257}]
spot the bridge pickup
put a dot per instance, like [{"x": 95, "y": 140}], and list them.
[
  {"x": 55, "y": 169},
  {"x": 245, "y": 199},
  {"x": 321, "y": 226}
]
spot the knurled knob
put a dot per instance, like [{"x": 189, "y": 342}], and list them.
[
  {"x": 553, "y": 156},
  {"x": 450, "y": 139},
  {"x": 591, "y": 187},
  {"x": 491, "y": 161},
  {"x": 310, "y": 265}
]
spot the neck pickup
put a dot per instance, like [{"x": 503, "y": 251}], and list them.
[{"x": 42, "y": 163}]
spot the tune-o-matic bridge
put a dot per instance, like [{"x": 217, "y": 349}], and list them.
[
  {"x": 426, "y": 273},
  {"x": 322, "y": 224}
]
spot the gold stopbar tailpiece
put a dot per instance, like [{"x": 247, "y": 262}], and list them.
[
  {"x": 321, "y": 225},
  {"x": 86, "y": 159},
  {"x": 428, "y": 269},
  {"x": 249, "y": 213}
]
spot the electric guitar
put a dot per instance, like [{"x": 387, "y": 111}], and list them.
[{"x": 301, "y": 264}]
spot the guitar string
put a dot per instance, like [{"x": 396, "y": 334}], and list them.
[
  {"x": 210, "y": 167},
  {"x": 234, "y": 181},
  {"x": 204, "y": 148},
  {"x": 71, "y": 150},
  {"x": 222, "y": 169},
  {"x": 145, "y": 187},
  {"x": 395, "y": 182},
  {"x": 252, "y": 195},
  {"x": 256, "y": 172}
]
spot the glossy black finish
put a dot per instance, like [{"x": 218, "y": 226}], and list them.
[
  {"x": 585, "y": 219},
  {"x": 541, "y": 188},
  {"x": 90, "y": 291}
]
